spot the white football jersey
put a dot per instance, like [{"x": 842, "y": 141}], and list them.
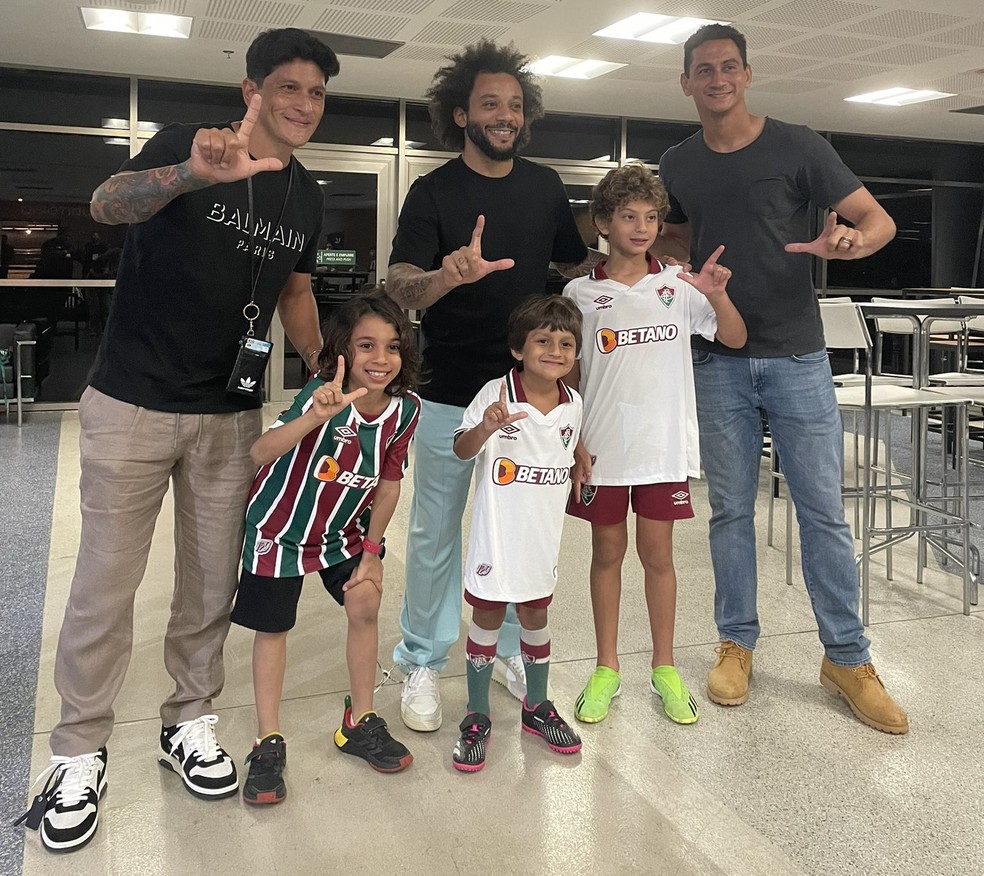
[
  {"x": 522, "y": 478},
  {"x": 637, "y": 380}
]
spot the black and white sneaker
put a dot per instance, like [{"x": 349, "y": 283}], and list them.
[
  {"x": 469, "y": 751},
  {"x": 67, "y": 809},
  {"x": 544, "y": 721},
  {"x": 192, "y": 751}
]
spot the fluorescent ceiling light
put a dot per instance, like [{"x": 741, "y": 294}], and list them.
[
  {"x": 124, "y": 125},
  {"x": 651, "y": 28},
  {"x": 572, "y": 68},
  {"x": 116, "y": 141},
  {"x": 145, "y": 23},
  {"x": 898, "y": 96},
  {"x": 389, "y": 141}
]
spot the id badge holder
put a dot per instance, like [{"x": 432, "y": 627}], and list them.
[{"x": 247, "y": 373}]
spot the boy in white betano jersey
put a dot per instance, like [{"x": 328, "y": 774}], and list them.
[
  {"x": 640, "y": 435},
  {"x": 523, "y": 429}
]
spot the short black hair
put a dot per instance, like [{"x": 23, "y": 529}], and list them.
[
  {"x": 275, "y": 47},
  {"x": 454, "y": 83},
  {"x": 713, "y": 32},
  {"x": 337, "y": 332},
  {"x": 544, "y": 311}
]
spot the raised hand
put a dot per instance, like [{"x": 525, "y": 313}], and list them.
[
  {"x": 221, "y": 155},
  {"x": 836, "y": 241},
  {"x": 466, "y": 265},
  {"x": 712, "y": 279},
  {"x": 328, "y": 400},
  {"x": 497, "y": 414}
]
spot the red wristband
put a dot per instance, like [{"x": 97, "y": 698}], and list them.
[{"x": 370, "y": 547}]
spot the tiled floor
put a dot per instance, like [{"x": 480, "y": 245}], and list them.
[{"x": 788, "y": 783}]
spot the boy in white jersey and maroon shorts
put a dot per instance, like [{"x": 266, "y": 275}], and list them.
[
  {"x": 328, "y": 485},
  {"x": 639, "y": 438},
  {"x": 521, "y": 429}
]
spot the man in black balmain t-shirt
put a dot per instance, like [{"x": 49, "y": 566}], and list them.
[
  {"x": 475, "y": 239},
  {"x": 220, "y": 218}
]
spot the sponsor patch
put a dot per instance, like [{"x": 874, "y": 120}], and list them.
[
  {"x": 483, "y": 569},
  {"x": 263, "y": 546}
]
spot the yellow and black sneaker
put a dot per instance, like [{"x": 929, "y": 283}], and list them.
[{"x": 369, "y": 738}]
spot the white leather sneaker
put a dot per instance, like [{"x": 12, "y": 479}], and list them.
[{"x": 420, "y": 704}]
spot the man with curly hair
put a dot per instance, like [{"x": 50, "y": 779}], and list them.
[{"x": 475, "y": 239}]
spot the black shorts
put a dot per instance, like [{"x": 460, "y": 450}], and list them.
[{"x": 269, "y": 605}]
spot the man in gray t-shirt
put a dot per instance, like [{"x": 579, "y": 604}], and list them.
[{"x": 753, "y": 184}]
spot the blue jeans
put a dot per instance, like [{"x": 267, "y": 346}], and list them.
[
  {"x": 796, "y": 393},
  {"x": 431, "y": 616}
]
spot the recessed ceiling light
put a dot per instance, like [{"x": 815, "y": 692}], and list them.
[
  {"x": 572, "y": 68},
  {"x": 145, "y": 23},
  {"x": 651, "y": 28},
  {"x": 898, "y": 96}
]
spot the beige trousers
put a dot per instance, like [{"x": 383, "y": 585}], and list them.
[{"x": 129, "y": 456}]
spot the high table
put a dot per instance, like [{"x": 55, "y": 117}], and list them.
[{"x": 922, "y": 315}]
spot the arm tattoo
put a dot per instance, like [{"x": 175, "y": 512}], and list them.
[
  {"x": 410, "y": 292},
  {"x": 135, "y": 197},
  {"x": 571, "y": 270}
]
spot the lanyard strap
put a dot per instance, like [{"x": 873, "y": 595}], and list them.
[{"x": 252, "y": 310}]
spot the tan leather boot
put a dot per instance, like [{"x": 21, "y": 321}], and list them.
[
  {"x": 727, "y": 682},
  {"x": 866, "y": 695}
]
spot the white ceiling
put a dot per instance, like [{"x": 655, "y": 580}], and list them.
[{"x": 806, "y": 55}]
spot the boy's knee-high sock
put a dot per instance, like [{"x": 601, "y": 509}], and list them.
[
  {"x": 534, "y": 645},
  {"x": 480, "y": 651}
]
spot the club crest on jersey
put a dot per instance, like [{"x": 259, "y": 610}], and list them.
[
  {"x": 345, "y": 434},
  {"x": 566, "y": 433},
  {"x": 505, "y": 472},
  {"x": 609, "y": 339},
  {"x": 666, "y": 294}
]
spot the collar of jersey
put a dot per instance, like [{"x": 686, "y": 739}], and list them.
[
  {"x": 598, "y": 271},
  {"x": 514, "y": 388}
]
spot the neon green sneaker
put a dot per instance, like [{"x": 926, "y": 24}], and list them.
[
  {"x": 592, "y": 705},
  {"x": 678, "y": 702}
]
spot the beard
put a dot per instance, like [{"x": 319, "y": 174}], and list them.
[{"x": 476, "y": 134}]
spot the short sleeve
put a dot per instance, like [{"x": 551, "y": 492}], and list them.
[
  {"x": 395, "y": 461},
  {"x": 417, "y": 240}
]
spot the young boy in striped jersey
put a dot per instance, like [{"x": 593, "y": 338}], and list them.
[
  {"x": 328, "y": 485},
  {"x": 522, "y": 429}
]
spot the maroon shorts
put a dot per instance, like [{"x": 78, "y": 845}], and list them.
[
  {"x": 488, "y": 605},
  {"x": 609, "y": 505}
]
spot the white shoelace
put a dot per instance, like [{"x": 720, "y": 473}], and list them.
[
  {"x": 78, "y": 776},
  {"x": 421, "y": 677},
  {"x": 516, "y": 666},
  {"x": 198, "y": 736}
]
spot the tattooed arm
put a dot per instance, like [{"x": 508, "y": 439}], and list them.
[
  {"x": 218, "y": 155},
  {"x": 413, "y": 288}
]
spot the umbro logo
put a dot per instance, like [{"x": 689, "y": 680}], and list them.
[
  {"x": 604, "y": 302},
  {"x": 681, "y": 494},
  {"x": 345, "y": 434},
  {"x": 510, "y": 429}
]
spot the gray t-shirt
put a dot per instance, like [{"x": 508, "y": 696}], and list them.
[{"x": 755, "y": 201}]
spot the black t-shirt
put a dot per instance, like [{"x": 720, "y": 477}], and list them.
[
  {"x": 755, "y": 201},
  {"x": 527, "y": 218},
  {"x": 184, "y": 278}
]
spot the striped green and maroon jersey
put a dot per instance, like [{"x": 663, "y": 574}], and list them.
[{"x": 310, "y": 508}]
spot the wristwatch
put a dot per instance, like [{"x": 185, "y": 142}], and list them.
[{"x": 370, "y": 547}]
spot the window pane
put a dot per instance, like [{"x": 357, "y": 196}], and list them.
[
  {"x": 419, "y": 127},
  {"x": 647, "y": 141},
  {"x": 357, "y": 122},
  {"x": 54, "y": 237},
  {"x": 166, "y": 102},
  {"x": 586, "y": 138},
  {"x": 897, "y": 158},
  {"x": 40, "y": 97}
]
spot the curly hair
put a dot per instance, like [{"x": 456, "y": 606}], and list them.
[
  {"x": 713, "y": 32},
  {"x": 281, "y": 46},
  {"x": 453, "y": 85},
  {"x": 337, "y": 331},
  {"x": 630, "y": 182},
  {"x": 544, "y": 311}
]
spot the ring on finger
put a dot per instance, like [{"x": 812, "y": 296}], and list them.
[{"x": 845, "y": 240}]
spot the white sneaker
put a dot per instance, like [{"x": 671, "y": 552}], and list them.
[
  {"x": 510, "y": 672},
  {"x": 420, "y": 704}
]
